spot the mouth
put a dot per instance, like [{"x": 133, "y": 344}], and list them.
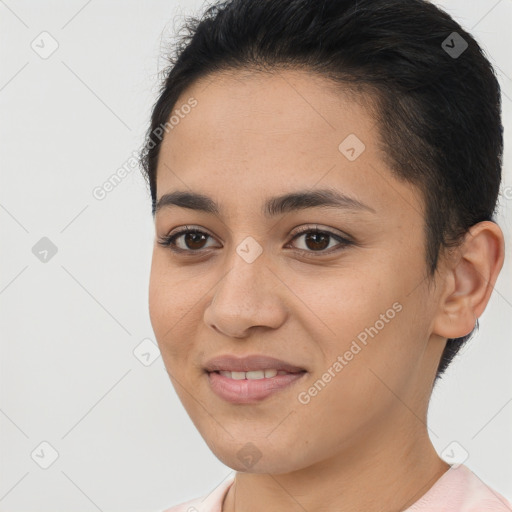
[
  {"x": 256, "y": 366},
  {"x": 251, "y": 379},
  {"x": 255, "y": 374},
  {"x": 249, "y": 388}
]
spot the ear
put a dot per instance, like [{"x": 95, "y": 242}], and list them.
[{"x": 469, "y": 280}]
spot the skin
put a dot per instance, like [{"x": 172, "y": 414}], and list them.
[{"x": 362, "y": 442}]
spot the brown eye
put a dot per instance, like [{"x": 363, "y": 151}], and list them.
[
  {"x": 192, "y": 240},
  {"x": 316, "y": 240}
]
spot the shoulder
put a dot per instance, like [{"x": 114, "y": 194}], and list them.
[
  {"x": 461, "y": 490},
  {"x": 210, "y": 502}
]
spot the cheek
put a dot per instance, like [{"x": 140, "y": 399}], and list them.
[
  {"x": 341, "y": 303},
  {"x": 169, "y": 301},
  {"x": 176, "y": 304},
  {"x": 157, "y": 298},
  {"x": 368, "y": 317}
]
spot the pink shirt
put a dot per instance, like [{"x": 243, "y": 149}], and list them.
[{"x": 457, "y": 490}]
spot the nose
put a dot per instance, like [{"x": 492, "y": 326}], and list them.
[{"x": 248, "y": 295}]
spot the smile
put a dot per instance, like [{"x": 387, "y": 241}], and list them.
[
  {"x": 252, "y": 386},
  {"x": 253, "y": 375}
]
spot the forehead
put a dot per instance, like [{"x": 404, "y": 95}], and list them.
[
  {"x": 255, "y": 134},
  {"x": 287, "y": 105}
]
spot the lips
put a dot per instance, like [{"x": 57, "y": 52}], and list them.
[{"x": 254, "y": 362}]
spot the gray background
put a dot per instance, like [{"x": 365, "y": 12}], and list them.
[{"x": 72, "y": 374}]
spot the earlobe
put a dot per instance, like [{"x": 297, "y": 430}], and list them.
[{"x": 470, "y": 279}]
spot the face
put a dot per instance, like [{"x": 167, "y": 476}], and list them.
[{"x": 338, "y": 290}]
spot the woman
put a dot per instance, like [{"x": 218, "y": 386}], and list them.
[{"x": 324, "y": 175}]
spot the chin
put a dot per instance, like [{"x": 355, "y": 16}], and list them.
[{"x": 248, "y": 458}]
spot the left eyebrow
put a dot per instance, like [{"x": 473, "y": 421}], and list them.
[{"x": 273, "y": 207}]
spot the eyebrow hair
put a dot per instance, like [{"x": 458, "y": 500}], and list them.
[{"x": 273, "y": 207}]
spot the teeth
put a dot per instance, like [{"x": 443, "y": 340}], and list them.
[
  {"x": 257, "y": 374},
  {"x": 253, "y": 375}
]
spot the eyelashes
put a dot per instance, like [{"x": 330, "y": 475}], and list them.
[
  {"x": 314, "y": 235},
  {"x": 170, "y": 240}
]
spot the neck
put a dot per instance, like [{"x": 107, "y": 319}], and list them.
[{"x": 386, "y": 469}]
